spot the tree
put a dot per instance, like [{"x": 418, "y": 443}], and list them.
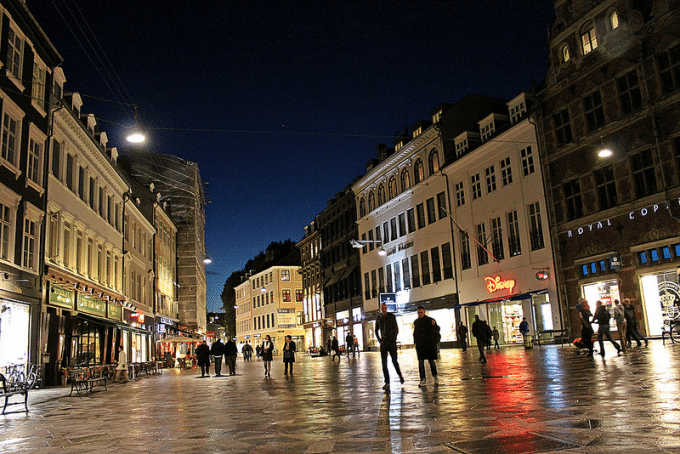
[{"x": 229, "y": 301}]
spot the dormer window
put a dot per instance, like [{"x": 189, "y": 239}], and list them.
[
  {"x": 398, "y": 145},
  {"x": 436, "y": 118},
  {"x": 588, "y": 39},
  {"x": 487, "y": 131},
  {"x": 417, "y": 131}
]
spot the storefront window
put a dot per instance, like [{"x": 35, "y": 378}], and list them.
[
  {"x": 471, "y": 312},
  {"x": 661, "y": 299},
  {"x": 14, "y": 319},
  {"x": 605, "y": 291},
  {"x": 446, "y": 319}
]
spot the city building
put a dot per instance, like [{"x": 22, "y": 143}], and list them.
[
  {"x": 613, "y": 83},
  {"x": 407, "y": 238},
  {"x": 341, "y": 268},
  {"x": 314, "y": 321},
  {"x": 165, "y": 274},
  {"x": 181, "y": 184},
  {"x": 503, "y": 262},
  {"x": 29, "y": 60}
]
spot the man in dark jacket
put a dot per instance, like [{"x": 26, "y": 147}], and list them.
[
  {"x": 349, "y": 343},
  {"x": 426, "y": 336},
  {"x": 386, "y": 330},
  {"x": 462, "y": 335},
  {"x": 480, "y": 332},
  {"x": 602, "y": 317},
  {"x": 203, "y": 358},
  {"x": 217, "y": 350},
  {"x": 230, "y": 353}
]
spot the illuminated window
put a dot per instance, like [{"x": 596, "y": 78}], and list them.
[
  {"x": 371, "y": 201},
  {"x": 585, "y": 270},
  {"x": 614, "y": 20},
  {"x": 285, "y": 295},
  {"x": 565, "y": 53},
  {"x": 362, "y": 208},
  {"x": 298, "y": 295},
  {"x": 666, "y": 251},
  {"x": 588, "y": 39},
  {"x": 285, "y": 275},
  {"x": 405, "y": 180},
  {"x": 393, "y": 187},
  {"x": 34, "y": 163},
  {"x": 419, "y": 171},
  {"x": 434, "y": 162},
  {"x": 381, "y": 195},
  {"x": 654, "y": 254},
  {"x": 5, "y": 229}
]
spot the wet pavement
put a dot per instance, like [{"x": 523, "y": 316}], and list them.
[{"x": 522, "y": 401}]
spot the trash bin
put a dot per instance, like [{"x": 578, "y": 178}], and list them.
[{"x": 528, "y": 341}]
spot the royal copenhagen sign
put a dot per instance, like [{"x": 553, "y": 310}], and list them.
[{"x": 633, "y": 215}]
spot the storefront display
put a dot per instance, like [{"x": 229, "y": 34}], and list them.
[
  {"x": 661, "y": 300},
  {"x": 14, "y": 324}
]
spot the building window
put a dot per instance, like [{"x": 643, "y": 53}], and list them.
[
  {"x": 81, "y": 182},
  {"x": 5, "y": 231},
  {"x": 285, "y": 275},
  {"x": 588, "y": 39},
  {"x": 425, "y": 265},
  {"x": 67, "y": 246},
  {"x": 386, "y": 232},
  {"x": 644, "y": 174},
  {"x": 527, "y": 161},
  {"x": 506, "y": 171},
  {"x": 431, "y": 213},
  {"x": 285, "y": 295},
  {"x": 606, "y": 187},
  {"x": 393, "y": 228},
  {"x": 381, "y": 195},
  {"x": 56, "y": 159},
  {"x": 497, "y": 239},
  {"x": 490, "y": 174},
  {"x": 441, "y": 205},
  {"x": 30, "y": 236},
  {"x": 38, "y": 86},
  {"x": 371, "y": 244},
  {"x": 434, "y": 162},
  {"x": 298, "y": 295},
  {"x": 564, "y": 52},
  {"x": 407, "y": 274},
  {"x": 34, "y": 164},
  {"x": 436, "y": 265},
  {"x": 629, "y": 91},
  {"x": 614, "y": 20},
  {"x": 371, "y": 201},
  {"x": 669, "y": 69},
  {"x": 415, "y": 270},
  {"x": 362, "y": 208},
  {"x": 411, "y": 220},
  {"x": 419, "y": 171},
  {"x": 447, "y": 261},
  {"x": 92, "y": 194},
  {"x": 420, "y": 211},
  {"x": 482, "y": 256},
  {"x": 465, "y": 257},
  {"x": 374, "y": 290},
  {"x": 393, "y": 187},
  {"x": 573, "y": 199},
  {"x": 405, "y": 180},
  {"x": 10, "y": 138},
  {"x": 536, "y": 227},
  {"x": 514, "y": 244},
  {"x": 381, "y": 279},
  {"x": 367, "y": 286},
  {"x": 460, "y": 194},
  {"x": 562, "y": 126},
  {"x": 15, "y": 47},
  {"x": 388, "y": 273},
  {"x": 402, "y": 224},
  {"x": 592, "y": 106},
  {"x": 397, "y": 277},
  {"x": 476, "y": 186}
]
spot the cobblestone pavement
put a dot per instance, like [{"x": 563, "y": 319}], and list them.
[{"x": 522, "y": 401}]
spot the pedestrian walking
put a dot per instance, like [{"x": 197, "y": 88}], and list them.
[
  {"x": 230, "y": 353},
  {"x": 267, "y": 352},
  {"x": 632, "y": 324},
  {"x": 288, "y": 355},
  {"x": 335, "y": 347},
  {"x": 496, "y": 335},
  {"x": 217, "y": 351},
  {"x": 621, "y": 324},
  {"x": 462, "y": 332},
  {"x": 349, "y": 343},
  {"x": 329, "y": 345},
  {"x": 489, "y": 335},
  {"x": 602, "y": 317},
  {"x": 258, "y": 352},
  {"x": 203, "y": 358},
  {"x": 586, "y": 328},
  {"x": 386, "y": 330},
  {"x": 122, "y": 367},
  {"x": 479, "y": 331},
  {"x": 426, "y": 336},
  {"x": 244, "y": 352},
  {"x": 355, "y": 346}
]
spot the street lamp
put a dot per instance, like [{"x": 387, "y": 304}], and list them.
[
  {"x": 207, "y": 260},
  {"x": 136, "y": 135},
  {"x": 605, "y": 153}
]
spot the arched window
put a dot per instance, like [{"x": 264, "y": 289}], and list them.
[
  {"x": 614, "y": 20},
  {"x": 419, "y": 171},
  {"x": 565, "y": 53},
  {"x": 434, "y": 162},
  {"x": 371, "y": 201},
  {"x": 381, "y": 195},
  {"x": 405, "y": 180},
  {"x": 393, "y": 188},
  {"x": 362, "y": 208},
  {"x": 588, "y": 38}
]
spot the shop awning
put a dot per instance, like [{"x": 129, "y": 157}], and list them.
[
  {"x": 514, "y": 297},
  {"x": 178, "y": 339}
]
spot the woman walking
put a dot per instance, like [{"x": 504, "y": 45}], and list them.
[
  {"x": 288, "y": 355},
  {"x": 267, "y": 353}
]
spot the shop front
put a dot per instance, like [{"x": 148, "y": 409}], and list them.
[
  {"x": 14, "y": 332},
  {"x": 139, "y": 331},
  {"x": 660, "y": 299}
]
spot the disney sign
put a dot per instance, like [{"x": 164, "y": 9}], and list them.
[{"x": 494, "y": 284}]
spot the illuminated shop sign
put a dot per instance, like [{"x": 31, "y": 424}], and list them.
[
  {"x": 633, "y": 215},
  {"x": 139, "y": 316},
  {"x": 495, "y": 284},
  {"x": 61, "y": 297}
]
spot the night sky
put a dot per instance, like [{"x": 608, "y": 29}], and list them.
[{"x": 283, "y": 103}]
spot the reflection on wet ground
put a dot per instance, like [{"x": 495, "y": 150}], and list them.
[{"x": 522, "y": 401}]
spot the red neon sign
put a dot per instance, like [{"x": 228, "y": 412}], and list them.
[{"x": 494, "y": 284}]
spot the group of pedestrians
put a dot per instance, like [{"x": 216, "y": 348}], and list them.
[
  {"x": 626, "y": 325},
  {"x": 217, "y": 350}
]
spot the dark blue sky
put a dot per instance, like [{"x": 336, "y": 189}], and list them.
[{"x": 282, "y": 103}]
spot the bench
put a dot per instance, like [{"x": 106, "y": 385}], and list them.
[
  {"x": 17, "y": 384},
  {"x": 669, "y": 325},
  {"x": 558, "y": 335},
  {"x": 85, "y": 379}
]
